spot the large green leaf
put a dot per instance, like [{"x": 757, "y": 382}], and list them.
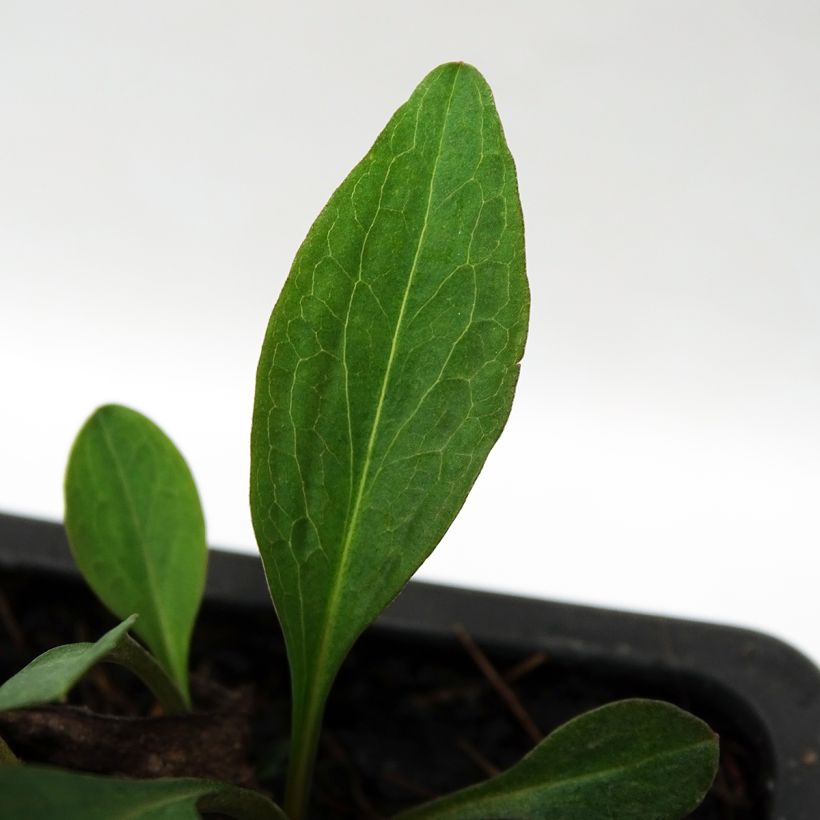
[
  {"x": 47, "y": 794},
  {"x": 50, "y": 675},
  {"x": 136, "y": 529},
  {"x": 387, "y": 371},
  {"x": 634, "y": 760}
]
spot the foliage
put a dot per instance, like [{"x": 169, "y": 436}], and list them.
[
  {"x": 136, "y": 529},
  {"x": 386, "y": 375},
  {"x": 50, "y": 676},
  {"x": 38, "y": 792}
]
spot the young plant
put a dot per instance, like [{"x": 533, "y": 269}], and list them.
[
  {"x": 386, "y": 375},
  {"x": 137, "y": 533},
  {"x": 136, "y": 530}
]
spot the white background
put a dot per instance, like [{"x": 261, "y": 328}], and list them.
[{"x": 161, "y": 162}]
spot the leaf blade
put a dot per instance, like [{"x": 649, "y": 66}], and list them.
[
  {"x": 136, "y": 529},
  {"x": 647, "y": 759},
  {"x": 388, "y": 368},
  {"x": 50, "y": 676},
  {"x": 38, "y": 792}
]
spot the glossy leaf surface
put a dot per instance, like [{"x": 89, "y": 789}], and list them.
[
  {"x": 634, "y": 760},
  {"x": 51, "y": 675},
  {"x": 40, "y": 793},
  {"x": 387, "y": 371},
  {"x": 136, "y": 529}
]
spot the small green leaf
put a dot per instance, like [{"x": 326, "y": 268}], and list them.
[
  {"x": 386, "y": 375},
  {"x": 46, "y": 794},
  {"x": 634, "y": 760},
  {"x": 136, "y": 529},
  {"x": 50, "y": 676}
]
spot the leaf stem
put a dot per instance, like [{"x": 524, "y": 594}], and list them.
[
  {"x": 7, "y": 756},
  {"x": 147, "y": 668},
  {"x": 304, "y": 742}
]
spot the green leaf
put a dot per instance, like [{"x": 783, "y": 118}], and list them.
[
  {"x": 44, "y": 794},
  {"x": 387, "y": 372},
  {"x": 634, "y": 760},
  {"x": 51, "y": 675},
  {"x": 136, "y": 529}
]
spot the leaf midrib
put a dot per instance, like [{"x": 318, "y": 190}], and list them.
[
  {"x": 135, "y": 520},
  {"x": 336, "y": 588}
]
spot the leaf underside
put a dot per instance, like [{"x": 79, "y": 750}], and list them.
[
  {"x": 50, "y": 676},
  {"x": 388, "y": 368},
  {"x": 40, "y": 793},
  {"x": 136, "y": 529},
  {"x": 634, "y": 760}
]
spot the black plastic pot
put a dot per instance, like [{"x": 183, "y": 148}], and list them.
[{"x": 760, "y": 694}]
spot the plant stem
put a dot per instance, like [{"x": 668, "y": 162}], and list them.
[
  {"x": 7, "y": 756},
  {"x": 145, "y": 666},
  {"x": 243, "y": 804},
  {"x": 304, "y": 742}
]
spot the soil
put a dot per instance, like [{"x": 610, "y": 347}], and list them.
[{"x": 407, "y": 720}]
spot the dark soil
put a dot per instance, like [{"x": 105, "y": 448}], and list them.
[{"x": 407, "y": 720}]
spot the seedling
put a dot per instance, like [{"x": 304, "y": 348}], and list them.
[{"x": 386, "y": 375}]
